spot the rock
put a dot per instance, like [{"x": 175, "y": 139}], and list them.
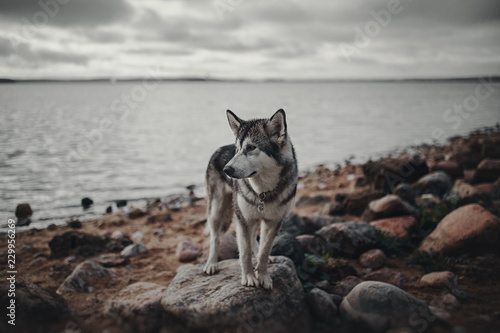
[
  {"x": 386, "y": 275},
  {"x": 23, "y": 214},
  {"x": 351, "y": 237},
  {"x": 399, "y": 227},
  {"x": 136, "y": 213},
  {"x": 485, "y": 188},
  {"x": 109, "y": 210},
  {"x": 428, "y": 200},
  {"x": 487, "y": 171},
  {"x": 76, "y": 243},
  {"x": 293, "y": 224},
  {"x": 312, "y": 244},
  {"x": 121, "y": 203},
  {"x": 228, "y": 247},
  {"x": 166, "y": 217},
  {"x": 286, "y": 245},
  {"x": 356, "y": 202},
  {"x": 306, "y": 200},
  {"x": 111, "y": 260},
  {"x": 387, "y": 173},
  {"x": 117, "y": 244},
  {"x": 34, "y": 305},
  {"x": 466, "y": 193},
  {"x": 187, "y": 251},
  {"x": 389, "y": 206},
  {"x": 451, "y": 168},
  {"x": 220, "y": 303},
  {"x": 440, "y": 313},
  {"x": 377, "y": 306},
  {"x": 74, "y": 224},
  {"x": 337, "y": 269},
  {"x": 87, "y": 202},
  {"x": 322, "y": 305},
  {"x": 405, "y": 192},
  {"x": 466, "y": 159},
  {"x": 315, "y": 222},
  {"x": 468, "y": 229},
  {"x": 116, "y": 234},
  {"x": 138, "y": 307},
  {"x": 85, "y": 277},
  {"x": 373, "y": 259},
  {"x": 137, "y": 236},
  {"x": 437, "y": 183},
  {"x": 51, "y": 227},
  {"x": 344, "y": 287},
  {"x": 450, "y": 302},
  {"x": 439, "y": 279},
  {"x": 133, "y": 250}
]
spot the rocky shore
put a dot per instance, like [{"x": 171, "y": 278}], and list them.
[{"x": 406, "y": 243}]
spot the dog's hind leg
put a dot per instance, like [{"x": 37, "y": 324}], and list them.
[
  {"x": 268, "y": 233},
  {"x": 219, "y": 217}
]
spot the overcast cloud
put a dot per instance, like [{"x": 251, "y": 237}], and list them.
[{"x": 249, "y": 39}]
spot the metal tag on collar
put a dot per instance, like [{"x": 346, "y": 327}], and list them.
[{"x": 260, "y": 206}]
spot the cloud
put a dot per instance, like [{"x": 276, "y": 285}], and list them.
[{"x": 66, "y": 13}]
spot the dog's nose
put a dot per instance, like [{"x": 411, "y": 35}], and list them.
[{"x": 229, "y": 170}]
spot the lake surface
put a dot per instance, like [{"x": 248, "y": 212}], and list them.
[{"x": 60, "y": 142}]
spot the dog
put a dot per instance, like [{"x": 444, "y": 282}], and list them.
[{"x": 256, "y": 180}]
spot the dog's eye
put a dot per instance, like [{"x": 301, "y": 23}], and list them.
[{"x": 251, "y": 148}]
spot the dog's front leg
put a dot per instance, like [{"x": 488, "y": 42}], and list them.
[
  {"x": 244, "y": 237},
  {"x": 268, "y": 233}
]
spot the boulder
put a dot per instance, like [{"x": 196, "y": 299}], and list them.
[
  {"x": 121, "y": 203},
  {"x": 373, "y": 259},
  {"x": 85, "y": 245},
  {"x": 315, "y": 222},
  {"x": 219, "y": 302},
  {"x": 87, "y": 202},
  {"x": 387, "y": 173},
  {"x": 376, "y": 307},
  {"x": 228, "y": 247},
  {"x": 85, "y": 277},
  {"x": 165, "y": 217},
  {"x": 322, "y": 305},
  {"x": 439, "y": 279},
  {"x": 187, "y": 251},
  {"x": 466, "y": 159},
  {"x": 77, "y": 243},
  {"x": 293, "y": 224},
  {"x": 468, "y": 229},
  {"x": 34, "y": 306},
  {"x": 136, "y": 213},
  {"x": 399, "y": 227},
  {"x": 487, "y": 171},
  {"x": 351, "y": 238},
  {"x": 389, "y": 206},
  {"x": 306, "y": 200},
  {"x": 74, "y": 224},
  {"x": 133, "y": 250},
  {"x": 437, "y": 183},
  {"x": 337, "y": 269},
  {"x": 344, "y": 287},
  {"x": 451, "y": 168},
  {"x": 288, "y": 246},
  {"x": 138, "y": 307},
  {"x": 356, "y": 202},
  {"x": 23, "y": 214},
  {"x": 312, "y": 244},
  {"x": 405, "y": 192},
  {"x": 386, "y": 275}
]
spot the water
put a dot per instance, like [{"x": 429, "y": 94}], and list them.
[{"x": 56, "y": 144}]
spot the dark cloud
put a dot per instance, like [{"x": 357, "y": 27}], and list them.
[{"x": 87, "y": 13}]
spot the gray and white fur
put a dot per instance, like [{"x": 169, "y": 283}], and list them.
[{"x": 255, "y": 179}]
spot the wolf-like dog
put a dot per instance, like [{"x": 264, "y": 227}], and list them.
[{"x": 255, "y": 178}]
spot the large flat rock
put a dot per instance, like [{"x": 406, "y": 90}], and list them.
[{"x": 219, "y": 302}]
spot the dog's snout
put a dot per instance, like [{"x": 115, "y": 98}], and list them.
[{"x": 229, "y": 170}]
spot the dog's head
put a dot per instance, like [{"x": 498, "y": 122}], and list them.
[{"x": 259, "y": 144}]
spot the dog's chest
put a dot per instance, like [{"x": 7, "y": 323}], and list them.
[{"x": 269, "y": 211}]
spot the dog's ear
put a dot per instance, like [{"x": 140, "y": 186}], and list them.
[
  {"x": 234, "y": 122},
  {"x": 278, "y": 126}
]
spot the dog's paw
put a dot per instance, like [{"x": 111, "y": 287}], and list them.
[
  {"x": 249, "y": 280},
  {"x": 211, "y": 268},
  {"x": 265, "y": 281}
]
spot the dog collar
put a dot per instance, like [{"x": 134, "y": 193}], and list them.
[{"x": 262, "y": 197}]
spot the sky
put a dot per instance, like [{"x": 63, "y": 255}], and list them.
[{"x": 249, "y": 39}]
